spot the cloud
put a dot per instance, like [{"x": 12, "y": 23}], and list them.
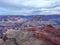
[
  {"x": 29, "y": 7},
  {"x": 32, "y": 3}
]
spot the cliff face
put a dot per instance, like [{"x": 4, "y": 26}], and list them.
[
  {"x": 31, "y": 35},
  {"x": 16, "y": 37},
  {"x": 50, "y": 33}
]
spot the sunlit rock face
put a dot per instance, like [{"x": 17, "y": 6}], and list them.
[
  {"x": 1, "y": 41},
  {"x": 11, "y": 33},
  {"x": 22, "y": 38}
]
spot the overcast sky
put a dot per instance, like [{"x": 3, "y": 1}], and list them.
[{"x": 29, "y": 7}]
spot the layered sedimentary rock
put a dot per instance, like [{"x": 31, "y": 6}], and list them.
[{"x": 44, "y": 36}]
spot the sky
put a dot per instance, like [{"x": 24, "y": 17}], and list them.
[{"x": 29, "y": 7}]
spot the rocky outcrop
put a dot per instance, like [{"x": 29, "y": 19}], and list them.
[
  {"x": 50, "y": 33},
  {"x": 16, "y": 37}
]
